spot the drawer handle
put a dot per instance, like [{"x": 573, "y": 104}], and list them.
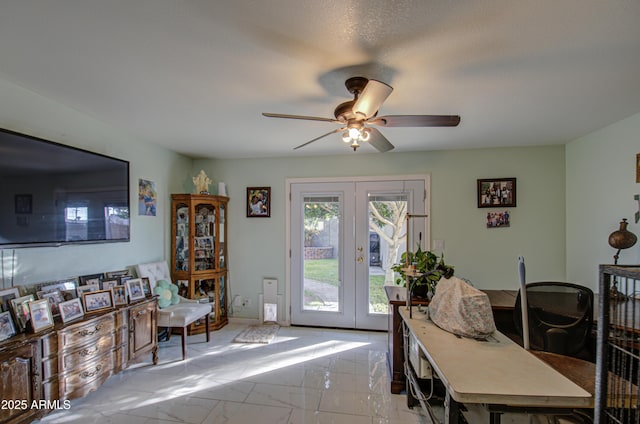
[
  {"x": 89, "y": 374},
  {"x": 85, "y": 333},
  {"x": 87, "y": 351}
]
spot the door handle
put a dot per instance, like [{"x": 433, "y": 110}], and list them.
[{"x": 360, "y": 259}]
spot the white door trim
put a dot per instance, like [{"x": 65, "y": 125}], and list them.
[{"x": 287, "y": 226}]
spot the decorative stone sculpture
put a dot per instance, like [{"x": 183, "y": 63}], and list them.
[{"x": 201, "y": 181}]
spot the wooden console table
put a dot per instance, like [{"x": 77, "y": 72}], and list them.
[{"x": 73, "y": 359}]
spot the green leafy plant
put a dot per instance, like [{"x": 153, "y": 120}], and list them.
[{"x": 426, "y": 262}]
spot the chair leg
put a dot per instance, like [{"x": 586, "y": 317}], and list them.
[
  {"x": 184, "y": 343},
  {"x": 206, "y": 323}
]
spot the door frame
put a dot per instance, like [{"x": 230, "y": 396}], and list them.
[{"x": 289, "y": 181}]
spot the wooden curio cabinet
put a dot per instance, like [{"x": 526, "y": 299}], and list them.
[{"x": 199, "y": 252}]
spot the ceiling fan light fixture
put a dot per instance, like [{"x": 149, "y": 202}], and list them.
[
  {"x": 365, "y": 134},
  {"x": 371, "y": 98},
  {"x": 346, "y": 137},
  {"x": 355, "y": 145}
]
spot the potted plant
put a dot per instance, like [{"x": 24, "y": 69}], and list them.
[{"x": 429, "y": 267}]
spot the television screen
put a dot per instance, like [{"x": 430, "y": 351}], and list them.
[{"x": 52, "y": 194}]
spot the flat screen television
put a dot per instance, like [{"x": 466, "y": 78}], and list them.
[{"x": 52, "y": 194}]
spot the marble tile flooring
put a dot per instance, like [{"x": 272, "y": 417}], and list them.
[{"x": 304, "y": 376}]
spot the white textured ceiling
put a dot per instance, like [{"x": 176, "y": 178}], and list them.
[{"x": 194, "y": 76}]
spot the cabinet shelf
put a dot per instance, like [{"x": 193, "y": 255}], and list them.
[{"x": 199, "y": 252}]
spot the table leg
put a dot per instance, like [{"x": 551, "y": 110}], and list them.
[{"x": 451, "y": 410}]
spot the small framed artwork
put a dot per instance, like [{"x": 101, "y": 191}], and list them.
[
  {"x": 54, "y": 298},
  {"x": 41, "y": 317},
  {"x": 117, "y": 274},
  {"x": 500, "y": 219},
  {"x": 66, "y": 287},
  {"x": 71, "y": 310},
  {"x": 7, "y": 329},
  {"x": 119, "y": 295},
  {"x": 24, "y": 203},
  {"x": 86, "y": 280},
  {"x": 108, "y": 284},
  {"x": 89, "y": 288},
  {"x": 20, "y": 308},
  {"x": 638, "y": 168},
  {"x": 497, "y": 193},
  {"x": 135, "y": 290},
  {"x": 5, "y": 298},
  {"x": 258, "y": 202},
  {"x": 146, "y": 286},
  {"x": 96, "y": 301}
]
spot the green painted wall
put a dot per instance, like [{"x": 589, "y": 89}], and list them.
[
  {"x": 24, "y": 111},
  {"x": 488, "y": 257},
  {"x": 601, "y": 184}
]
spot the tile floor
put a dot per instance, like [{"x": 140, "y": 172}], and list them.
[{"x": 305, "y": 375}]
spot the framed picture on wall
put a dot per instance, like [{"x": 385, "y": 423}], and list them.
[
  {"x": 638, "y": 168},
  {"x": 258, "y": 202},
  {"x": 497, "y": 193}
]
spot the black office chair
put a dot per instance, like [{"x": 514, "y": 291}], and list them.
[{"x": 560, "y": 317}]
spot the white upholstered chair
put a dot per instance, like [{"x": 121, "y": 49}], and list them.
[{"x": 181, "y": 314}]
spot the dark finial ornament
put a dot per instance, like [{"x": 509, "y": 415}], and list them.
[{"x": 621, "y": 239}]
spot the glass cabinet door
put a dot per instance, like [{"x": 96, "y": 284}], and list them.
[
  {"x": 223, "y": 245},
  {"x": 204, "y": 240},
  {"x": 182, "y": 237}
]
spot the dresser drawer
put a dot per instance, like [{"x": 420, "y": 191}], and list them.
[
  {"x": 75, "y": 357},
  {"x": 86, "y": 332},
  {"x": 87, "y": 378},
  {"x": 49, "y": 367}
]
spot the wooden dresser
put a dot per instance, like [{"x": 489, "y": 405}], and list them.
[{"x": 73, "y": 360}]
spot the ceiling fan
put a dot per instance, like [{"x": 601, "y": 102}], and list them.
[{"x": 356, "y": 116}]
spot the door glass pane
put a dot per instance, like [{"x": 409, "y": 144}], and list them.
[
  {"x": 321, "y": 266},
  {"x": 387, "y": 239}
]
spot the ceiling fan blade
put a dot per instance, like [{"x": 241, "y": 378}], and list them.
[
  {"x": 416, "y": 121},
  {"x": 371, "y": 98},
  {"x": 306, "y": 118},
  {"x": 377, "y": 140},
  {"x": 318, "y": 138}
]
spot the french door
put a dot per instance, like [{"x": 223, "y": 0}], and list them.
[{"x": 345, "y": 235}]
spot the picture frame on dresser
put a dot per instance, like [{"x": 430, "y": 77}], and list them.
[
  {"x": 71, "y": 310},
  {"x": 7, "y": 329},
  {"x": 54, "y": 298},
  {"x": 109, "y": 284},
  {"x": 20, "y": 308},
  {"x": 135, "y": 289},
  {"x": 97, "y": 301},
  {"x": 146, "y": 286},
  {"x": 40, "y": 313},
  {"x": 119, "y": 295},
  {"x": 87, "y": 289},
  {"x": 117, "y": 274},
  {"x": 5, "y": 298},
  {"x": 91, "y": 279}
]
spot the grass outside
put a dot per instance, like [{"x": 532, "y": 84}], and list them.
[{"x": 326, "y": 270}]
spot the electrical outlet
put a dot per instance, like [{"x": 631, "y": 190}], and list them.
[
  {"x": 247, "y": 302},
  {"x": 237, "y": 300}
]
